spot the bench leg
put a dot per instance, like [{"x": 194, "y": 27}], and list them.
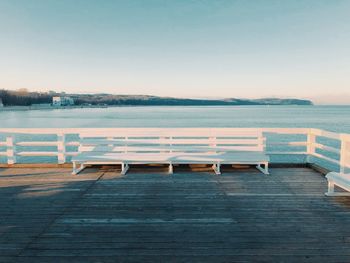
[
  {"x": 171, "y": 168},
  {"x": 125, "y": 168},
  {"x": 216, "y": 168},
  {"x": 77, "y": 170},
  {"x": 331, "y": 191},
  {"x": 330, "y": 188},
  {"x": 74, "y": 168},
  {"x": 266, "y": 166},
  {"x": 264, "y": 170}
]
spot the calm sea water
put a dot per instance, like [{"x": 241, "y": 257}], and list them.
[{"x": 333, "y": 118}]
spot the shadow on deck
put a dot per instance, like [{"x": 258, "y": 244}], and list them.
[{"x": 148, "y": 216}]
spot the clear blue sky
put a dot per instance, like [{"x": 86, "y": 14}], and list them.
[{"x": 184, "y": 48}]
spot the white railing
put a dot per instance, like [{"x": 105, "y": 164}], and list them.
[{"x": 315, "y": 144}]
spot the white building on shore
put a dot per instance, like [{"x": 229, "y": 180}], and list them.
[{"x": 62, "y": 101}]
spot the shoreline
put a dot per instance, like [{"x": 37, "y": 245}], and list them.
[{"x": 28, "y": 108}]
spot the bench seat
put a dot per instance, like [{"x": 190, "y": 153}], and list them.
[
  {"x": 241, "y": 157},
  {"x": 171, "y": 146},
  {"x": 340, "y": 179}
]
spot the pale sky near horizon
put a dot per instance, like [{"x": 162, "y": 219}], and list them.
[{"x": 179, "y": 48}]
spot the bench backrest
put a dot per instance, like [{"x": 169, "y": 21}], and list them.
[{"x": 136, "y": 140}]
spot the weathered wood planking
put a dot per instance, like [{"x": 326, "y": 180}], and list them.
[{"x": 48, "y": 215}]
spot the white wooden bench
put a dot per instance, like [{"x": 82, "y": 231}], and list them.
[
  {"x": 339, "y": 179},
  {"x": 172, "y": 146}
]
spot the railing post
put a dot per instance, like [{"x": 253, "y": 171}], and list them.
[
  {"x": 171, "y": 144},
  {"x": 61, "y": 148},
  {"x": 262, "y": 141},
  {"x": 311, "y": 140},
  {"x": 212, "y": 141},
  {"x": 11, "y": 150},
  {"x": 343, "y": 154}
]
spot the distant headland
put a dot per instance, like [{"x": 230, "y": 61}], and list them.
[{"x": 25, "y": 98}]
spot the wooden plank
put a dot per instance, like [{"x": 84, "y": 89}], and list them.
[
  {"x": 37, "y": 143},
  {"x": 36, "y": 153},
  {"x": 190, "y": 217},
  {"x": 152, "y": 130},
  {"x": 174, "y": 148}
]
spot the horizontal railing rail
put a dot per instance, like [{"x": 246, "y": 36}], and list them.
[{"x": 314, "y": 144}]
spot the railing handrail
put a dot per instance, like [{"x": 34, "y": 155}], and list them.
[
  {"x": 79, "y": 130},
  {"x": 313, "y": 146}
]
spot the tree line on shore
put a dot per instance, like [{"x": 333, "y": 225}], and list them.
[{"x": 23, "y": 97}]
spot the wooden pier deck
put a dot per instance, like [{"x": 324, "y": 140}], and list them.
[{"x": 48, "y": 215}]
